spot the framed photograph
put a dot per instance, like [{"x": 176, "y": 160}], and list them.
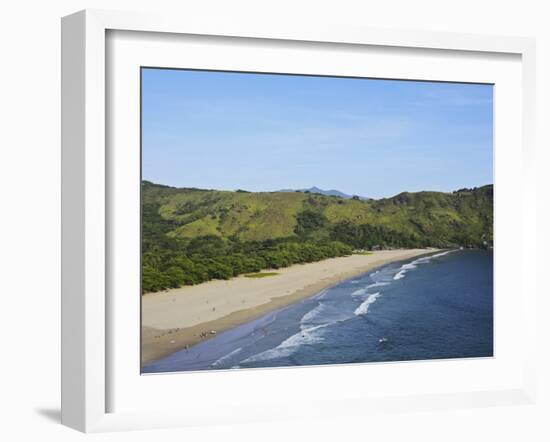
[{"x": 263, "y": 223}]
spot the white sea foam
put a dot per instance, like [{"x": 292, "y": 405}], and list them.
[
  {"x": 437, "y": 255},
  {"x": 377, "y": 284},
  {"x": 355, "y": 281},
  {"x": 364, "y": 307},
  {"x": 422, "y": 260},
  {"x": 323, "y": 314},
  {"x": 226, "y": 357},
  {"x": 404, "y": 269},
  {"x": 312, "y": 314},
  {"x": 363, "y": 291},
  {"x": 321, "y": 294},
  {"x": 425, "y": 259},
  {"x": 307, "y": 336},
  {"x": 412, "y": 265},
  {"x": 399, "y": 275},
  {"x": 312, "y": 327}
]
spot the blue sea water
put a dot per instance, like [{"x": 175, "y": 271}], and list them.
[{"x": 434, "y": 307}]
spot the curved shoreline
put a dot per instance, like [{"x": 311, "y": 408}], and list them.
[{"x": 183, "y": 317}]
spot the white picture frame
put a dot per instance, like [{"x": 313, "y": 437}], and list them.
[{"x": 87, "y": 209}]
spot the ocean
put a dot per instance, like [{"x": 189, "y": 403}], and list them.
[{"x": 433, "y": 307}]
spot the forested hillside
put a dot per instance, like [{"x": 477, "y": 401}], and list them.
[{"x": 194, "y": 235}]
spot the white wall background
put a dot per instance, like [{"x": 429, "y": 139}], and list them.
[{"x": 30, "y": 215}]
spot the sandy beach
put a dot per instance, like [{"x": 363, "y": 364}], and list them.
[{"x": 179, "y": 318}]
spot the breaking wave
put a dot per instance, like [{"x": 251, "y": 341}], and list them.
[
  {"x": 412, "y": 265},
  {"x": 359, "y": 292},
  {"x": 306, "y": 336},
  {"x": 363, "y": 291},
  {"x": 364, "y": 307},
  {"x": 226, "y": 357},
  {"x": 324, "y": 314},
  {"x": 377, "y": 284}
]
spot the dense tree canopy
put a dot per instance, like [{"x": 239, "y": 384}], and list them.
[{"x": 169, "y": 262}]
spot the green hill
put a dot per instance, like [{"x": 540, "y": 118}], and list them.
[{"x": 188, "y": 228}]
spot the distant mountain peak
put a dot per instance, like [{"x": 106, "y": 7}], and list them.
[{"x": 331, "y": 192}]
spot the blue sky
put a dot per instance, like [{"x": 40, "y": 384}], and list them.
[{"x": 263, "y": 132}]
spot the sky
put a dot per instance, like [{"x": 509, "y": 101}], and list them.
[{"x": 266, "y": 132}]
